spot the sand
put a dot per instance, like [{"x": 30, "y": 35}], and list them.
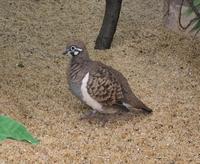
[{"x": 163, "y": 69}]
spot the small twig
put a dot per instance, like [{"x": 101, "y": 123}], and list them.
[
  {"x": 20, "y": 63},
  {"x": 189, "y": 24},
  {"x": 19, "y": 57},
  {"x": 179, "y": 17}
]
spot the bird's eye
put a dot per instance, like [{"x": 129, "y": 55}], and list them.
[{"x": 73, "y": 48}]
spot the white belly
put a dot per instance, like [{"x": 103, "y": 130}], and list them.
[{"x": 87, "y": 98}]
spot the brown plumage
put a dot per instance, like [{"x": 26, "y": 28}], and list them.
[{"x": 105, "y": 87}]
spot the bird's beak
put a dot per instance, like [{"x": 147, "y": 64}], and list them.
[{"x": 65, "y": 52}]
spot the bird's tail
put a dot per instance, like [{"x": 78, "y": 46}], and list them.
[
  {"x": 134, "y": 102},
  {"x": 147, "y": 109}
]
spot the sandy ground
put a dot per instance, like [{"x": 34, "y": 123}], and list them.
[{"x": 163, "y": 69}]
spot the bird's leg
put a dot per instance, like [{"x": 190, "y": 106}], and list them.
[
  {"x": 103, "y": 119},
  {"x": 93, "y": 114},
  {"x": 89, "y": 114}
]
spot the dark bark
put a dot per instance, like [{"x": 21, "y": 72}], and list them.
[{"x": 109, "y": 25}]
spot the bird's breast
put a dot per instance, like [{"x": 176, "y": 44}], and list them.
[
  {"x": 86, "y": 96},
  {"x": 75, "y": 88}
]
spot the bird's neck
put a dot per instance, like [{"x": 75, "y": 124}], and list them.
[
  {"x": 80, "y": 59},
  {"x": 78, "y": 66}
]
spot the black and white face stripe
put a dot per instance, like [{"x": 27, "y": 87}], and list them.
[{"x": 74, "y": 51}]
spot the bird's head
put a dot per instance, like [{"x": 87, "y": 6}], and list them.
[{"x": 75, "y": 48}]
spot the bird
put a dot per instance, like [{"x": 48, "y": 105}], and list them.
[{"x": 97, "y": 85}]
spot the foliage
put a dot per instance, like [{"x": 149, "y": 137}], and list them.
[
  {"x": 195, "y": 21},
  {"x": 11, "y": 129}
]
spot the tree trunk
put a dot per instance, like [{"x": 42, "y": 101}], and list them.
[{"x": 109, "y": 25}]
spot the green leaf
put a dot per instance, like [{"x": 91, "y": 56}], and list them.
[
  {"x": 196, "y": 26},
  {"x": 11, "y": 129},
  {"x": 189, "y": 10},
  {"x": 196, "y": 2}
]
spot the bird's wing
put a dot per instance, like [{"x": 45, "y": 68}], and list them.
[
  {"x": 109, "y": 87},
  {"x": 103, "y": 86}
]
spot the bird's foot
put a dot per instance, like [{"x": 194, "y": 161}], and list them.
[
  {"x": 88, "y": 115},
  {"x": 101, "y": 118}
]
